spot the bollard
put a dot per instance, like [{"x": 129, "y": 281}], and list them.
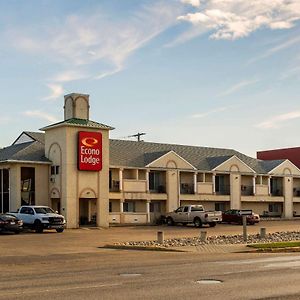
[
  {"x": 262, "y": 233},
  {"x": 245, "y": 228},
  {"x": 203, "y": 235},
  {"x": 160, "y": 237}
]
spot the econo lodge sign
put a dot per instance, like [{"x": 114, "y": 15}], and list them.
[{"x": 89, "y": 151}]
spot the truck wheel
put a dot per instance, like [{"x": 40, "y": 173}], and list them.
[
  {"x": 170, "y": 221},
  {"x": 38, "y": 226},
  {"x": 197, "y": 222},
  {"x": 59, "y": 230},
  {"x": 212, "y": 224}
]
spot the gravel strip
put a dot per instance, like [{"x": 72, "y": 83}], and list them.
[{"x": 220, "y": 240}]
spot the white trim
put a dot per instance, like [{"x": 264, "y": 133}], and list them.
[
  {"x": 287, "y": 160},
  {"x": 232, "y": 157},
  {"x": 149, "y": 165},
  {"x": 26, "y": 162}
]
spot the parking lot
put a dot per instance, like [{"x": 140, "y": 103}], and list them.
[{"x": 86, "y": 240}]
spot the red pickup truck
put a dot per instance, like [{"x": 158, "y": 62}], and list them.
[{"x": 236, "y": 216}]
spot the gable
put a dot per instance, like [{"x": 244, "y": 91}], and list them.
[
  {"x": 171, "y": 160},
  {"x": 234, "y": 164},
  {"x": 285, "y": 168},
  {"x": 23, "y": 138}
]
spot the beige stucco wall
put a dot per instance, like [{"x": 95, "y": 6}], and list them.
[
  {"x": 261, "y": 190},
  {"x": 74, "y": 183},
  {"x": 130, "y": 185},
  {"x": 172, "y": 189},
  {"x": 205, "y": 188},
  {"x": 164, "y": 162},
  {"x": 238, "y": 164},
  {"x": 288, "y": 197},
  {"x": 258, "y": 208}
]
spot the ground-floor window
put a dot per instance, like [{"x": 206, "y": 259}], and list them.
[
  {"x": 129, "y": 206},
  {"x": 27, "y": 186},
  {"x": 155, "y": 207},
  {"x": 4, "y": 190},
  {"x": 220, "y": 206}
]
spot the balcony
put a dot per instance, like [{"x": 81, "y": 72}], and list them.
[
  {"x": 160, "y": 189},
  {"x": 136, "y": 186},
  {"x": 115, "y": 186},
  {"x": 277, "y": 192},
  {"x": 247, "y": 190},
  {"x": 223, "y": 190},
  {"x": 187, "y": 188}
]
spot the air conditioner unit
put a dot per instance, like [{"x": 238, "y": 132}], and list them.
[{"x": 52, "y": 179}]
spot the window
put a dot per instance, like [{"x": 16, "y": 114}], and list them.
[
  {"x": 110, "y": 206},
  {"x": 179, "y": 209},
  {"x": 155, "y": 207},
  {"x": 186, "y": 209},
  {"x": 155, "y": 182},
  {"x": 129, "y": 206},
  {"x": 220, "y": 206},
  {"x": 54, "y": 170},
  {"x": 197, "y": 208}
]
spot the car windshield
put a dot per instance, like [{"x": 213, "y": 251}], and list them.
[
  {"x": 197, "y": 208},
  {"x": 43, "y": 210},
  {"x": 7, "y": 217}
]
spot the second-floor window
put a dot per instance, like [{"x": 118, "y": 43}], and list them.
[{"x": 54, "y": 170}]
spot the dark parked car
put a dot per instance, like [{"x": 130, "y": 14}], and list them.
[
  {"x": 10, "y": 223},
  {"x": 236, "y": 216}
]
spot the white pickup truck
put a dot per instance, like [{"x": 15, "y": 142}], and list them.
[
  {"x": 194, "y": 214},
  {"x": 40, "y": 218}
]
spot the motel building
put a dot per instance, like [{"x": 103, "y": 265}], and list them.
[{"x": 76, "y": 169}]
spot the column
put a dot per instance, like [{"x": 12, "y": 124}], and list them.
[
  {"x": 214, "y": 183},
  {"x": 254, "y": 185},
  {"x": 121, "y": 180},
  {"x": 195, "y": 183},
  {"x": 148, "y": 211},
  {"x": 147, "y": 181}
]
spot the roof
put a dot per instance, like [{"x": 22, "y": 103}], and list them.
[
  {"x": 79, "y": 123},
  {"x": 30, "y": 151},
  {"x": 135, "y": 154},
  {"x": 139, "y": 154}
]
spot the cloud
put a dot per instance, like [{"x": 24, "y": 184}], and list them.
[
  {"x": 67, "y": 76},
  {"x": 93, "y": 41},
  {"x": 56, "y": 91},
  {"x": 40, "y": 115},
  {"x": 234, "y": 19},
  {"x": 238, "y": 86},
  {"x": 4, "y": 120},
  {"x": 279, "y": 120},
  {"x": 205, "y": 114},
  {"x": 195, "y": 3},
  {"x": 282, "y": 46}
]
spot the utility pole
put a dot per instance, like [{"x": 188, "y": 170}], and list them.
[{"x": 138, "y": 136}]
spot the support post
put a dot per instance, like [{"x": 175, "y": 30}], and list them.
[
  {"x": 160, "y": 237},
  {"x": 203, "y": 236},
  {"x": 245, "y": 228},
  {"x": 262, "y": 233}
]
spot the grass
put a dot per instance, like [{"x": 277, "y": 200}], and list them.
[{"x": 269, "y": 246}]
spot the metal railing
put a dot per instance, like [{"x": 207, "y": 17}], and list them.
[
  {"x": 187, "y": 188},
  {"x": 223, "y": 190},
  {"x": 247, "y": 190}
]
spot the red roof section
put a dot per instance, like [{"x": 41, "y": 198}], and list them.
[{"x": 292, "y": 154}]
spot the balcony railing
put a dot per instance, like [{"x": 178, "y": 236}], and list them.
[
  {"x": 223, "y": 190},
  {"x": 187, "y": 188},
  {"x": 247, "y": 190},
  {"x": 296, "y": 192},
  {"x": 160, "y": 189},
  {"x": 277, "y": 192},
  {"x": 115, "y": 186}
]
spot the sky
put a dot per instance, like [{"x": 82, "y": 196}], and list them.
[{"x": 215, "y": 73}]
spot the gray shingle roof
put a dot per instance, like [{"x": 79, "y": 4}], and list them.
[
  {"x": 31, "y": 151},
  {"x": 139, "y": 154}
]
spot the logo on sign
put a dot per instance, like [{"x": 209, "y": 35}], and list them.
[{"x": 89, "y": 151}]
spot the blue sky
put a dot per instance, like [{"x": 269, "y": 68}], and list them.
[{"x": 217, "y": 73}]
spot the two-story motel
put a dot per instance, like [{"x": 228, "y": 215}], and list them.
[{"x": 74, "y": 167}]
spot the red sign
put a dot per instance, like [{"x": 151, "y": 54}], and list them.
[{"x": 89, "y": 151}]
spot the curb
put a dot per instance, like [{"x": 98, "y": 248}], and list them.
[{"x": 144, "y": 248}]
